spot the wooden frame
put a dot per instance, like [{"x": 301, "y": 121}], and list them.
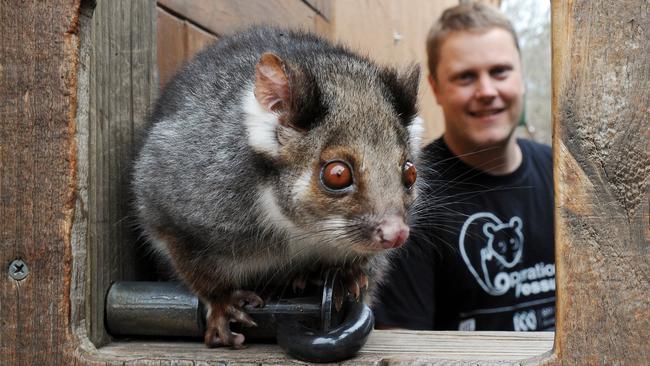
[{"x": 601, "y": 61}]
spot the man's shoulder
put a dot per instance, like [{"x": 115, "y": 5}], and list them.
[
  {"x": 535, "y": 150},
  {"x": 436, "y": 153},
  {"x": 535, "y": 147},
  {"x": 537, "y": 158},
  {"x": 435, "y": 147}
]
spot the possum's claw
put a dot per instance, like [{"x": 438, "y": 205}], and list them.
[
  {"x": 355, "y": 281},
  {"x": 222, "y": 312},
  {"x": 241, "y": 298}
]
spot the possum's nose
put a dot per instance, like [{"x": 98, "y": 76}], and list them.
[{"x": 391, "y": 232}]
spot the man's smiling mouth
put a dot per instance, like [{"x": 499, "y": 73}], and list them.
[{"x": 486, "y": 113}]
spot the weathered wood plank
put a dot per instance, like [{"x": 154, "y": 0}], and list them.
[
  {"x": 383, "y": 347},
  {"x": 601, "y": 98},
  {"x": 79, "y": 233},
  {"x": 171, "y": 45},
  {"x": 178, "y": 40},
  {"x": 223, "y": 17},
  {"x": 122, "y": 84},
  {"x": 197, "y": 39},
  {"x": 38, "y": 57},
  {"x": 323, "y": 7}
]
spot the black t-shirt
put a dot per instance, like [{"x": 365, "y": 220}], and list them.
[{"x": 480, "y": 255}]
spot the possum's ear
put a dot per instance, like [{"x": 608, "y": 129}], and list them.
[
  {"x": 270, "y": 106},
  {"x": 290, "y": 91},
  {"x": 272, "y": 83},
  {"x": 306, "y": 107},
  {"x": 403, "y": 91}
]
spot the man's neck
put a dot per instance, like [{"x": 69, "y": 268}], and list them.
[{"x": 500, "y": 159}]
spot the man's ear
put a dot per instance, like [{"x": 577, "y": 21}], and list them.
[{"x": 434, "y": 87}]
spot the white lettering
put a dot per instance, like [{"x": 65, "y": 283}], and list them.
[
  {"x": 549, "y": 270},
  {"x": 467, "y": 325},
  {"x": 544, "y": 285},
  {"x": 534, "y": 287},
  {"x": 528, "y": 281},
  {"x": 524, "y": 321},
  {"x": 502, "y": 282},
  {"x": 515, "y": 276}
]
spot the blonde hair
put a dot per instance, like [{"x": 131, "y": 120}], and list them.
[{"x": 472, "y": 17}]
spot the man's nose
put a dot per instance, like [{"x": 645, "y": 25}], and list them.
[{"x": 485, "y": 88}]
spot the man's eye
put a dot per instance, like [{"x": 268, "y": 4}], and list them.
[
  {"x": 466, "y": 76},
  {"x": 500, "y": 72}
]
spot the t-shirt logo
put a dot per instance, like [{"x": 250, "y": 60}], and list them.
[{"x": 488, "y": 247}]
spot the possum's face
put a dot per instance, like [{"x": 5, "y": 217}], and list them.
[
  {"x": 353, "y": 196},
  {"x": 346, "y": 147}
]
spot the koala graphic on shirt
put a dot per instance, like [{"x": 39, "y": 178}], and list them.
[
  {"x": 489, "y": 246},
  {"x": 504, "y": 241}
]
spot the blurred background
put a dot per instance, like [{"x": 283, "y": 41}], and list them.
[{"x": 389, "y": 31}]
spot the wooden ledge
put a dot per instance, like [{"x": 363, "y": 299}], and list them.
[{"x": 383, "y": 347}]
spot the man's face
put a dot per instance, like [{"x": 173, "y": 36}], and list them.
[{"x": 480, "y": 88}]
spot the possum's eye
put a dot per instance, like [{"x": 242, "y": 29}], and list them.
[
  {"x": 409, "y": 174},
  {"x": 336, "y": 175}
]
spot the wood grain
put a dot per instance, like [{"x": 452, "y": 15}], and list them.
[
  {"x": 383, "y": 348},
  {"x": 122, "y": 89},
  {"x": 178, "y": 40},
  {"x": 38, "y": 59},
  {"x": 197, "y": 39},
  {"x": 222, "y": 17},
  {"x": 601, "y": 96},
  {"x": 171, "y": 42}
]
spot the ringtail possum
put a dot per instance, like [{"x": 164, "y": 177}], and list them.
[{"x": 271, "y": 154}]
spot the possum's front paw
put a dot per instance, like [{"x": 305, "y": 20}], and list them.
[{"x": 226, "y": 310}]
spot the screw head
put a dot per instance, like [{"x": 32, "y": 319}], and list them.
[{"x": 18, "y": 270}]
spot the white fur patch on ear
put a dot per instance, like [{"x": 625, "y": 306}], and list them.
[
  {"x": 261, "y": 125},
  {"x": 416, "y": 130}
]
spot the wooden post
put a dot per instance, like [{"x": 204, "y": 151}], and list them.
[
  {"x": 121, "y": 90},
  {"x": 38, "y": 91},
  {"x": 601, "y": 96}
]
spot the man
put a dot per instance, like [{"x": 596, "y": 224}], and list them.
[{"x": 481, "y": 254}]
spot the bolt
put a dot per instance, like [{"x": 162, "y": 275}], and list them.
[{"x": 18, "y": 270}]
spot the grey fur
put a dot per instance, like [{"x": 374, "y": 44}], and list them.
[{"x": 197, "y": 177}]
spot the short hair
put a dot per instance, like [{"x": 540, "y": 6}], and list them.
[{"x": 471, "y": 17}]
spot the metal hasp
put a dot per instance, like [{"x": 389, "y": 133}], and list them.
[
  {"x": 153, "y": 309},
  {"x": 334, "y": 341},
  {"x": 308, "y": 328}
]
